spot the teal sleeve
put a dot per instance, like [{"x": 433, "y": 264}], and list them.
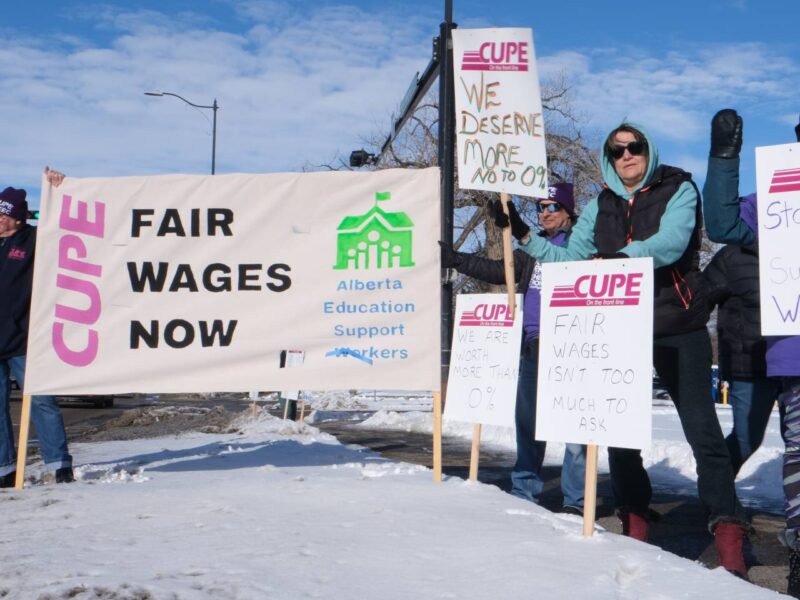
[
  {"x": 721, "y": 204},
  {"x": 677, "y": 224},
  {"x": 580, "y": 245}
]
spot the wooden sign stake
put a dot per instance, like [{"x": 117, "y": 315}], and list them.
[
  {"x": 508, "y": 260},
  {"x": 22, "y": 446},
  {"x": 437, "y": 436},
  {"x": 475, "y": 454},
  {"x": 590, "y": 491}
]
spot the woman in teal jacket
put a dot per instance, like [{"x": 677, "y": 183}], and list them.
[{"x": 650, "y": 209}]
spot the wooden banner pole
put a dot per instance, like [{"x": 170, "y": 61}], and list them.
[
  {"x": 437, "y": 436},
  {"x": 286, "y": 408},
  {"x": 475, "y": 454},
  {"x": 22, "y": 446},
  {"x": 508, "y": 260},
  {"x": 590, "y": 491}
]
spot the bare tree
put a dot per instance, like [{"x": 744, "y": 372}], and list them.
[{"x": 571, "y": 157}]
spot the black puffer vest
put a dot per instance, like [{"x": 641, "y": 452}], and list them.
[{"x": 680, "y": 305}]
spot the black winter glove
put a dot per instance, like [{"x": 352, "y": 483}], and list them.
[
  {"x": 450, "y": 258},
  {"x": 610, "y": 255},
  {"x": 518, "y": 227},
  {"x": 726, "y": 134}
]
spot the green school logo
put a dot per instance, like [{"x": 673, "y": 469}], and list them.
[{"x": 375, "y": 240}]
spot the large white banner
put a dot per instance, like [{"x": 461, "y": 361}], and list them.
[
  {"x": 180, "y": 283},
  {"x": 596, "y": 353},
  {"x": 499, "y": 120},
  {"x": 484, "y": 362},
  {"x": 778, "y": 185}
]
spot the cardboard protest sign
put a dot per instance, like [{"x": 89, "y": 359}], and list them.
[
  {"x": 484, "y": 362},
  {"x": 778, "y": 185},
  {"x": 499, "y": 119},
  {"x": 596, "y": 353},
  {"x": 181, "y": 283}
]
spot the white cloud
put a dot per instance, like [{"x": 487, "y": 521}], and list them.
[
  {"x": 292, "y": 89},
  {"x": 676, "y": 93},
  {"x": 299, "y": 85}
]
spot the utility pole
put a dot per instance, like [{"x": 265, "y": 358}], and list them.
[{"x": 447, "y": 134}]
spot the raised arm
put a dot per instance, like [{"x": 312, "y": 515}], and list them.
[{"x": 721, "y": 190}]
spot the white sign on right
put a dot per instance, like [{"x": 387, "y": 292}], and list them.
[
  {"x": 778, "y": 185},
  {"x": 596, "y": 353}
]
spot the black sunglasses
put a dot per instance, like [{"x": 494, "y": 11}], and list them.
[
  {"x": 553, "y": 208},
  {"x": 635, "y": 148}
]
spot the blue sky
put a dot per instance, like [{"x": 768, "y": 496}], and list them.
[{"x": 301, "y": 82}]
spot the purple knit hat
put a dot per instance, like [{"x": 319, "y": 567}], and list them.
[
  {"x": 562, "y": 193},
  {"x": 13, "y": 204},
  {"x": 748, "y": 212}
]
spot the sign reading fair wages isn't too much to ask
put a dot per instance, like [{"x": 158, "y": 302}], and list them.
[
  {"x": 180, "y": 283},
  {"x": 499, "y": 120},
  {"x": 595, "y": 378},
  {"x": 778, "y": 183}
]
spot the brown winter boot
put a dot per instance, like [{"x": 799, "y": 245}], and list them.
[
  {"x": 729, "y": 541},
  {"x": 634, "y": 525}
]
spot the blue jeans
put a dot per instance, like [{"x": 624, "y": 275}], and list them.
[
  {"x": 526, "y": 482},
  {"x": 752, "y": 401},
  {"x": 46, "y": 417}
]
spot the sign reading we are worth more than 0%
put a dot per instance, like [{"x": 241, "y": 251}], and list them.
[
  {"x": 484, "y": 362},
  {"x": 499, "y": 120},
  {"x": 778, "y": 184},
  {"x": 596, "y": 353}
]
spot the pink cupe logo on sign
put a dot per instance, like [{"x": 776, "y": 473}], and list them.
[
  {"x": 614, "y": 289},
  {"x": 487, "y": 315},
  {"x": 16, "y": 254},
  {"x": 497, "y": 56},
  {"x": 786, "y": 180}
]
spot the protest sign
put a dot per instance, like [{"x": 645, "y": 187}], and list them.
[
  {"x": 484, "y": 362},
  {"x": 595, "y": 353},
  {"x": 778, "y": 185},
  {"x": 180, "y": 283},
  {"x": 499, "y": 120}
]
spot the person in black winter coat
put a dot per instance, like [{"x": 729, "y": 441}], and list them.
[
  {"x": 17, "y": 247},
  {"x": 732, "y": 284},
  {"x": 556, "y": 216}
]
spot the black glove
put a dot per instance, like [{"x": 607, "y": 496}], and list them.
[
  {"x": 450, "y": 258},
  {"x": 610, "y": 255},
  {"x": 797, "y": 131},
  {"x": 518, "y": 227},
  {"x": 726, "y": 134}
]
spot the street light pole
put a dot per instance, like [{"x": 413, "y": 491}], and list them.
[{"x": 214, "y": 107}]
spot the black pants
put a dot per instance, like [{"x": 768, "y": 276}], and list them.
[{"x": 683, "y": 362}]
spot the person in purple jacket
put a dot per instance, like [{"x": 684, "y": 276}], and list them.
[
  {"x": 728, "y": 222},
  {"x": 556, "y": 217}
]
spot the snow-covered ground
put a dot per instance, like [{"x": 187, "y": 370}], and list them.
[{"x": 279, "y": 510}]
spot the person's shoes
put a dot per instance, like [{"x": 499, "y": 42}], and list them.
[
  {"x": 634, "y": 525},
  {"x": 568, "y": 509},
  {"x": 793, "y": 589},
  {"x": 8, "y": 481},
  {"x": 65, "y": 475},
  {"x": 729, "y": 542}
]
